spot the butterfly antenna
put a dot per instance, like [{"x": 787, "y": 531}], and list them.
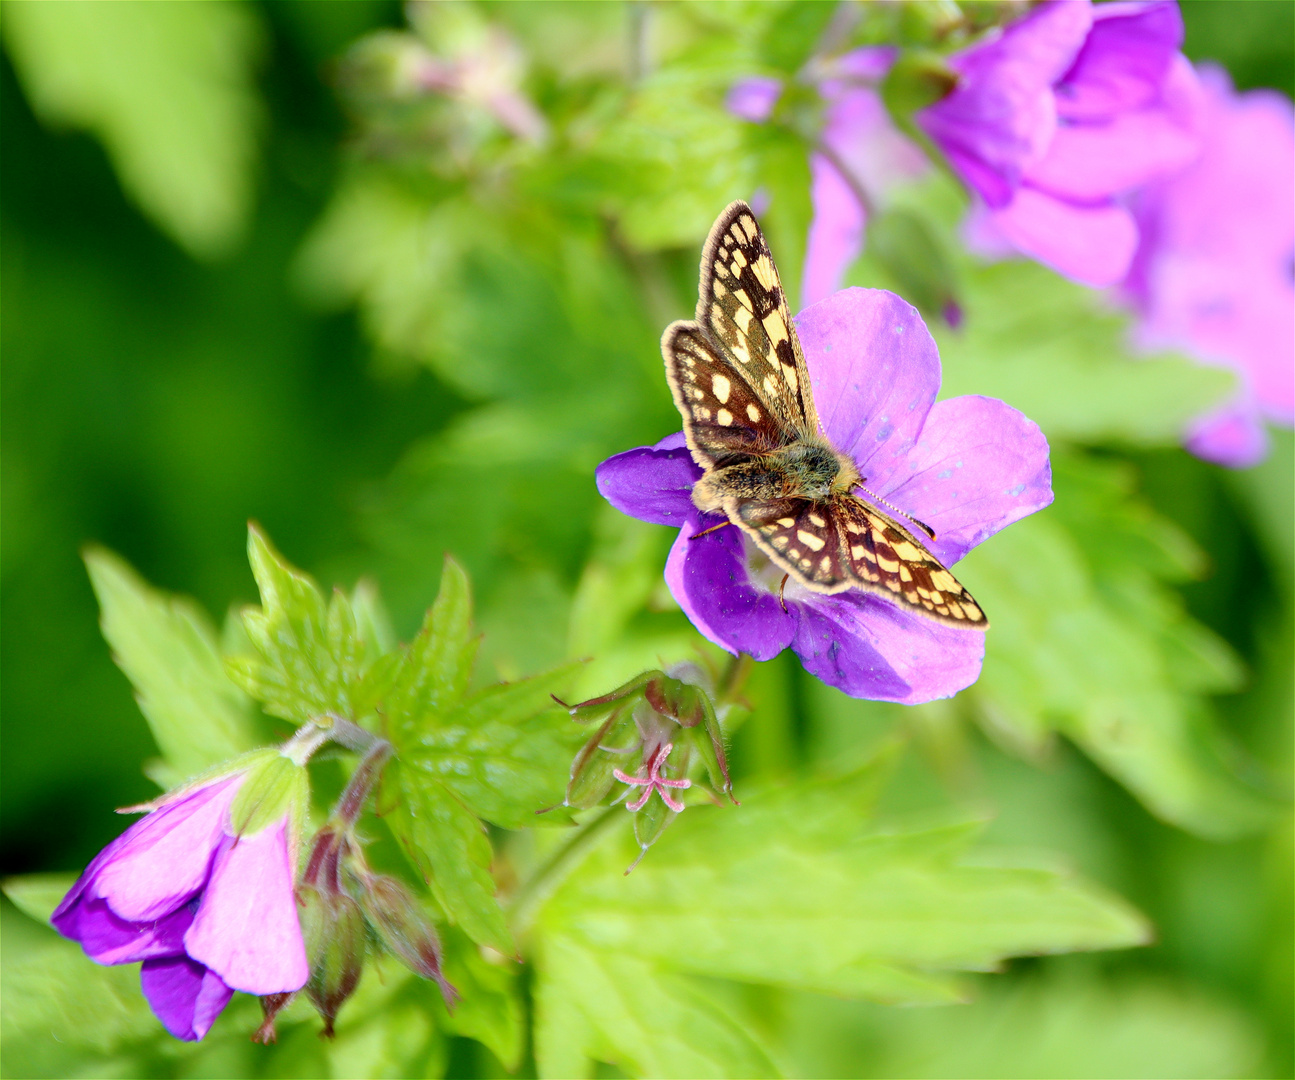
[{"x": 902, "y": 513}]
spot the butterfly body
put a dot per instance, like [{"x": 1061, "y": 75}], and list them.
[{"x": 739, "y": 379}]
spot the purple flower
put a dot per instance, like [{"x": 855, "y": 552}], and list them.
[
  {"x": 1213, "y": 274},
  {"x": 208, "y": 912},
  {"x": 860, "y": 156},
  {"x": 1059, "y": 114},
  {"x": 967, "y": 466}
]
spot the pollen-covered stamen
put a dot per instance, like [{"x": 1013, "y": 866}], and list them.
[{"x": 654, "y": 781}]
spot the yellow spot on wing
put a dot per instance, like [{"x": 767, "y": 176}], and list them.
[
  {"x": 888, "y": 565},
  {"x": 744, "y": 300},
  {"x": 742, "y": 317},
  {"x": 724, "y": 417},
  {"x": 753, "y": 414},
  {"x": 722, "y": 388},
  {"x": 907, "y": 552},
  {"x": 787, "y": 523},
  {"x": 814, "y": 543},
  {"x": 764, "y": 271},
  {"x": 740, "y": 260},
  {"x": 748, "y": 223},
  {"x": 775, "y": 328},
  {"x": 817, "y": 520}
]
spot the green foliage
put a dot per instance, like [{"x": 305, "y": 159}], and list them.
[
  {"x": 310, "y": 653},
  {"x": 841, "y": 907},
  {"x": 513, "y": 290},
  {"x": 180, "y": 117},
  {"x": 1090, "y": 641},
  {"x": 167, "y": 648}
]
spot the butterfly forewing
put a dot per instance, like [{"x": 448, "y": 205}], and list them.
[
  {"x": 885, "y": 558},
  {"x": 724, "y": 418},
  {"x": 743, "y": 304}
]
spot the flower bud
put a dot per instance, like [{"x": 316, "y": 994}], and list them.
[
  {"x": 334, "y": 929},
  {"x": 398, "y": 919},
  {"x": 271, "y": 1006}
]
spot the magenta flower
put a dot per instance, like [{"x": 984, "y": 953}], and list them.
[
  {"x": 1059, "y": 114},
  {"x": 208, "y": 912},
  {"x": 860, "y": 156},
  {"x": 1213, "y": 275},
  {"x": 967, "y": 467}
]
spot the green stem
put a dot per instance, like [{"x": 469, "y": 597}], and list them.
[{"x": 554, "y": 870}]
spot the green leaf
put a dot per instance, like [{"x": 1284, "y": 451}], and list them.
[
  {"x": 505, "y": 751},
  {"x": 449, "y": 847},
  {"x": 167, "y": 647},
  {"x": 791, "y": 891},
  {"x": 1057, "y": 352},
  {"x": 594, "y": 1005},
  {"x": 310, "y": 653},
  {"x": 1105, "y": 653},
  {"x": 169, "y": 90},
  {"x": 54, "y": 989},
  {"x": 37, "y": 895},
  {"x": 434, "y": 671},
  {"x": 490, "y": 1008}
]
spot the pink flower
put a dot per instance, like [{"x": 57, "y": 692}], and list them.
[
  {"x": 1213, "y": 273},
  {"x": 206, "y": 910},
  {"x": 1060, "y": 114}
]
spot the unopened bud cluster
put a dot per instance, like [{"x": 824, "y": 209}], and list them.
[{"x": 656, "y": 734}]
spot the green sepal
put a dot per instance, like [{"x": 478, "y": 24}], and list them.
[
  {"x": 274, "y": 789},
  {"x": 651, "y": 821}
]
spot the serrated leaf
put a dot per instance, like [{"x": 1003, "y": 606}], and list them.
[
  {"x": 310, "y": 654},
  {"x": 780, "y": 893},
  {"x": 449, "y": 847},
  {"x": 434, "y": 671},
  {"x": 506, "y": 751},
  {"x": 169, "y": 90},
  {"x": 1106, "y": 654},
  {"x": 597, "y": 1006},
  {"x": 167, "y": 647}
]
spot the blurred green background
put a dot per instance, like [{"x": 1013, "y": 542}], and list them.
[{"x": 162, "y": 384}]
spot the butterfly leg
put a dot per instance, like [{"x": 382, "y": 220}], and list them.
[
  {"x": 713, "y": 528},
  {"x": 782, "y": 585}
]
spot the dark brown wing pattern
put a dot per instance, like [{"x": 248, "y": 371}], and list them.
[{"x": 885, "y": 558}]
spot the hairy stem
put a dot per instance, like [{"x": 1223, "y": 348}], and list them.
[{"x": 554, "y": 870}]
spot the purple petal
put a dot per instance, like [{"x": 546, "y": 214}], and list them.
[
  {"x": 1094, "y": 245},
  {"x": 1002, "y": 115},
  {"x": 1213, "y": 274},
  {"x": 1125, "y": 58},
  {"x": 1232, "y": 436},
  {"x": 1088, "y": 162},
  {"x": 247, "y": 930},
  {"x": 876, "y": 372},
  {"x": 978, "y": 466},
  {"x": 869, "y": 648},
  {"x": 107, "y": 938},
  {"x": 161, "y": 861},
  {"x": 184, "y": 995},
  {"x": 651, "y": 483},
  {"x": 754, "y": 98},
  {"x": 835, "y": 234},
  {"x": 710, "y": 579}
]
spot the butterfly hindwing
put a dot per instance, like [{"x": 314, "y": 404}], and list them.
[
  {"x": 802, "y": 537},
  {"x": 885, "y": 558},
  {"x": 743, "y": 304}
]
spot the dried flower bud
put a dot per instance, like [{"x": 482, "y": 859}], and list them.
[{"x": 271, "y": 1006}]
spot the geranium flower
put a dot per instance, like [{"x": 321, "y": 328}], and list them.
[
  {"x": 859, "y": 157},
  {"x": 1057, "y": 115},
  {"x": 206, "y": 910},
  {"x": 967, "y": 467},
  {"x": 1213, "y": 275}
]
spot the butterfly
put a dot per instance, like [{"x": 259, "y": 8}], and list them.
[{"x": 739, "y": 380}]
